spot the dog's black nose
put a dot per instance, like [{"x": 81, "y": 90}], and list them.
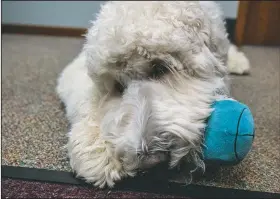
[{"x": 151, "y": 160}]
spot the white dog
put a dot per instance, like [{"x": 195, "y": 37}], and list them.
[{"x": 139, "y": 92}]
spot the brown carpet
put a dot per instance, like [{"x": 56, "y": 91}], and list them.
[
  {"x": 30, "y": 189},
  {"x": 34, "y": 126}
]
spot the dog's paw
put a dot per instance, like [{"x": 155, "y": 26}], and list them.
[
  {"x": 237, "y": 62},
  {"x": 92, "y": 158}
]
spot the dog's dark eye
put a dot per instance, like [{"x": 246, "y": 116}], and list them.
[
  {"x": 119, "y": 87},
  {"x": 159, "y": 68}
]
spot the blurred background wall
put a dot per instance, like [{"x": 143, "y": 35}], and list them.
[{"x": 68, "y": 13}]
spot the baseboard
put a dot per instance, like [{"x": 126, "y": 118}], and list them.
[
  {"x": 43, "y": 30},
  {"x": 77, "y": 32}
]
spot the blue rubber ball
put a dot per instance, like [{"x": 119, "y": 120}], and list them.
[{"x": 229, "y": 133}]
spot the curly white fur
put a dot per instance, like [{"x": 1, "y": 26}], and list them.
[{"x": 141, "y": 89}]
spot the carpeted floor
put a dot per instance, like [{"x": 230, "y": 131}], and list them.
[
  {"x": 34, "y": 126},
  {"x": 31, "y": 189}
]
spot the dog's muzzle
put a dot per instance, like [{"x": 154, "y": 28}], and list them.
[{"x": 151, "y": 160}]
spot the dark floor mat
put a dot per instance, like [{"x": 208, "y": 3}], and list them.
[{"x": 30, "y": 189}]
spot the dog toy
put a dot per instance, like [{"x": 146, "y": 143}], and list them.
[{"x": 229, "y": 133}]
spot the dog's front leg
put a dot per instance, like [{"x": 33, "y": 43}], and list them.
[{"x": 91, "y": 157}]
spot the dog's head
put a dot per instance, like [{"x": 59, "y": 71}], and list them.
[{"x": 155, "y": 70}]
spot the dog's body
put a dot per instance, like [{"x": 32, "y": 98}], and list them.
[{"x": 139, "y": 92}]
